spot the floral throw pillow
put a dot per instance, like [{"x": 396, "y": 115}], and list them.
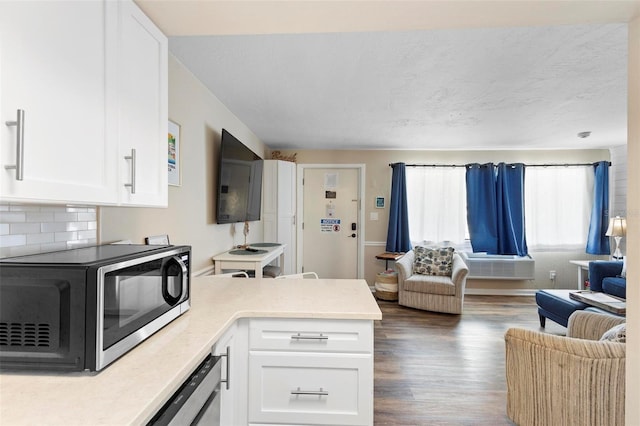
[
  {"x": 433, "y": 261},
  {"x": 616, "y": 334}
]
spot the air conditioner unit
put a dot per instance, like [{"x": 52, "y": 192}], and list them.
[{"x": 483, "y": 266}]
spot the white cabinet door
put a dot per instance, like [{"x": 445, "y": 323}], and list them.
[
  {"x": 233, "y": 392},
  {"x": 54, "y": 60},
  {"x": 142, "y": 109}
]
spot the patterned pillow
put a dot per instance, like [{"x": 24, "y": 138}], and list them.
[
  {"x": 433, "y": 261},
  {"x": 616, "y": 334}
]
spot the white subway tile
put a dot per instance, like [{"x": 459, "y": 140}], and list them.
[
  {"x": 48, "y": 237},
  {"x": 84, "y": 235},
  {"x": 65, "y": 217},
  {"x": 66, "y": 236},
  {"x": 4, "y": 228},
  {"x": 12, "y": 240},
  {"x": 92, "y": 225},
  {"x": 89, "y": 216},
  {"x": 24, "y": 208},
  {"x": 13, "y": 217},
  {"x": 39, "y": 216},
  {"x": 53, "y": 226},
  {"x": 76, "y": 226},
  {"x": 53, "y": 209},
  {"x": 4, "y": 207},
  {"x": 25, "y": 228},
  {"x": 80, "y": 243}
]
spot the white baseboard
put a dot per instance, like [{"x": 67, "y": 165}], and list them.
[{"x": 501, "y": 292}]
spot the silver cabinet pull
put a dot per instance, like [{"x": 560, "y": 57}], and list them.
[
  {"x": 228, "y": 356},
  {"x": 19, "y": 123},
  {"x": 132, "y": 157},
  {"x": 301, "y": 337},
  {"x": 320, "y": 392}
]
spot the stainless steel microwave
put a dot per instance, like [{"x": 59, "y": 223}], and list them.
[{"x": 81, "y": 309}]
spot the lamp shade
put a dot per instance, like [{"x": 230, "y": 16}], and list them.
[{"x": 617, "y": 227}]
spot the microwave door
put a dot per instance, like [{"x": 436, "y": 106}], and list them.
[{"x": 137, "y": 301}]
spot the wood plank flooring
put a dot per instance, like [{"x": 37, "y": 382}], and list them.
[{"x": 440, "y": 369}]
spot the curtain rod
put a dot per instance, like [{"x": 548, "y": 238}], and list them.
[{"x": 526, "y": 165}]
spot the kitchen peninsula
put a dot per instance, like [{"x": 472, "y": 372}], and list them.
[{"x": 132, "y": 389}]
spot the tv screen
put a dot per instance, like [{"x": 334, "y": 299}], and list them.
[{"x": 239, "y": 182}]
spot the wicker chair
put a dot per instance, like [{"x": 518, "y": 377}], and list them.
[
  {"x": 573, "y": 380},
  {"x": 428, "y": 292}
]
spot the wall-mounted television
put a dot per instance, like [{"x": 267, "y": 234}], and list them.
[{"x": 239, "y": 195}]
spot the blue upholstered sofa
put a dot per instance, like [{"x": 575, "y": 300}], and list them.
[{"x": 604, "y": 276}]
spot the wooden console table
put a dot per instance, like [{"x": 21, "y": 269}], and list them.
[{"x": 252, "y": 261}]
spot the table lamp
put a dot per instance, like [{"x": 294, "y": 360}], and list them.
[{"x": 617, "y": 229}]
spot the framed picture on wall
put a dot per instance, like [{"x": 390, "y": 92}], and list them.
[{"x": 174, "y": 154}]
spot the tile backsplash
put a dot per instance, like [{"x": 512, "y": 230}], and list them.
[{"x": 34, "y": 228}]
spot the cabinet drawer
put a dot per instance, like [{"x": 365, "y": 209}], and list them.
[
  {"x": 304, "y": 388},
  {"x": 311, "y": 335}
]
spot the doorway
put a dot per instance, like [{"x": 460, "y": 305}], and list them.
[{"x": 331, "y": 229}]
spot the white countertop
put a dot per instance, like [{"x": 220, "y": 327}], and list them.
[{"x": 131, "y": 389}]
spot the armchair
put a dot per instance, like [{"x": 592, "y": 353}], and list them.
[
  {"x": 573, "y": 380},
  {"x": 429, "y": 292}
]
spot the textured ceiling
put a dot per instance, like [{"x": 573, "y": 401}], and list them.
[{"x": 432, "y": 87}]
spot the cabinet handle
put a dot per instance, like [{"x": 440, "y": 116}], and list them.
[
  {"x": 228, "y": 356},
  {"x": 320, "y": 392},
  {"x": 19, "y": 123},
  {"x": 132, "y": 157},
  {"x": 301, "y": 337}
]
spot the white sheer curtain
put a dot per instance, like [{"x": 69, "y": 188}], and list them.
[
  {"x": 437, "y": 203},
  {"x": 558, "y": 202}
]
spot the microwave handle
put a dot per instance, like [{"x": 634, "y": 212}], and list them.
[{"x": 173, "y": 300}]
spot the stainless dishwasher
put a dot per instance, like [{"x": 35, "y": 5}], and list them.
[{"x": 197, "y": 402}]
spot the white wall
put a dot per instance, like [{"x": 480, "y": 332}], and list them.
[{"x": 190, "y": 216}]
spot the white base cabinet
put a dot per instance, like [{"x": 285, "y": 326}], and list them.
[{"x": 310, "y": 371}]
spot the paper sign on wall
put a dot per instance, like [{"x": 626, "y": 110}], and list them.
[{"x": 329, "y": 225}]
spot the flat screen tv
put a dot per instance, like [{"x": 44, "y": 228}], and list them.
[{"x": 239, "y": 182}]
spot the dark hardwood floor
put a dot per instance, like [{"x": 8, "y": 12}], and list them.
[{"x": 441, "y": 369}]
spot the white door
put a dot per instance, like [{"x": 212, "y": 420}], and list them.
[{"x": 331, "y": 227}]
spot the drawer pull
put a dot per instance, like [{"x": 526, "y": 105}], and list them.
[
  {"x": 320, "y": 392},
  {"x": 301, "y": 337}
]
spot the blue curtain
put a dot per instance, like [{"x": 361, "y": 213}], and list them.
[
  {"x": 398, "y": 239},
  {"x": 510, "y": 208},
  {"x": 481, "y": 207},
  {"x": 597, "y": 241},
  {"x": 495, "y": 208}
]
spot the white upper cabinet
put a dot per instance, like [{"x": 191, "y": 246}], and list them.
[
  {"x": 89, "y": 82},
  {"x": 142, "y": 109},
  {"x": 54, "y": 66}
]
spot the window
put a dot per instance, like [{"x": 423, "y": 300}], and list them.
[
  {"x": 437, "y": 203},
  {"x": 558, "y": 203}
]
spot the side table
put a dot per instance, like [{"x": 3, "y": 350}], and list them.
[
  {"x": 583, "y": 271},
  {"x": 387, "y": 256}
]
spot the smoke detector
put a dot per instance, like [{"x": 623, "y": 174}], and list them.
[{"x": 583, "y": 135}]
